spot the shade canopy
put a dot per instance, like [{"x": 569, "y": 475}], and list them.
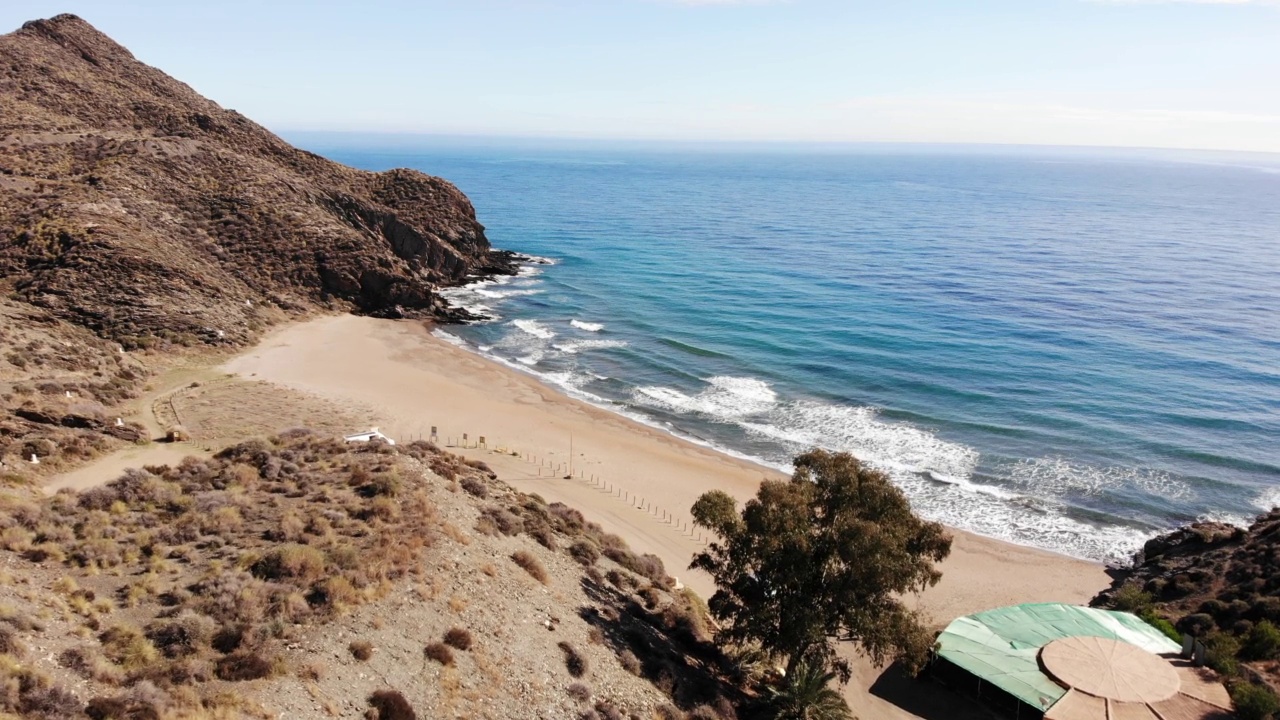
[{"x": 1071, "y": 662}]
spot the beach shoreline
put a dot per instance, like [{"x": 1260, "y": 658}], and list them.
[
  {"x": 636, "y": 480},
  {"x": 414, "y": 381}
]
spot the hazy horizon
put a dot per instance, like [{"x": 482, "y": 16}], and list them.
[
  {"x": 1175, "y": 74},
  {"x": 391, "y": 140}
]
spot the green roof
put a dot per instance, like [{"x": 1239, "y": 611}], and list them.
[{"x": 1002, "y": 646}]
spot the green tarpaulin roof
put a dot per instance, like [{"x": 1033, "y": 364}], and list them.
[{"x": 1001, "y": 646}]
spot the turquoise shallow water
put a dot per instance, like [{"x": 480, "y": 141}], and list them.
[{"x": 1072, "y": 350}]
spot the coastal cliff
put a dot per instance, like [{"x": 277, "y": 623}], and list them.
[
  {"x": 137, "y": 215},
  {"x": 133, "y": 206}
]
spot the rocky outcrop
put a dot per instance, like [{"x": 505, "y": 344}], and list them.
[
  {"x": 1209, "y": 561},
  {"x": 133, "y": 206}
]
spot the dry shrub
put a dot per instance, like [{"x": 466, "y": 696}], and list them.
[
  {"x": 667, "y": 711},
  {"x": 585, "y": 552},
  {"x": 721, "y": 710},
  {"x": 629, "y": 662},
  {"x": 526, "y": 560},
  {"x": 688, "y": 617},
  {"x": 9, "y": 644},
  {"x": 186, "y": 634},
  {"x": 89, "y": 663},
  {"x": 334, "y": 594},
  {"x": 608, "y": 711},
  {"x": 621, "y": 580},
  {"x": 459, "y": 638},
  {"x": 30, "y": 694},
  {"x": 595, "y": 636},
  {"x": 574, "y": 661},
  {"x": 475, "y": 486},
  {"x": 543, "y": 535},
  {"x": 580, "y": 692},
  {"x": 503, "y": 521},
  {"x": 361, "y": 650},
  {"x": 647, "y": 566},
  {"x": 389, "y": 705},
  {"x": 243, "y": 665},
  {"x": 128, "y": 647},
  {"x": 301, "y": 563},
  {"x": 439, "y": 652}
]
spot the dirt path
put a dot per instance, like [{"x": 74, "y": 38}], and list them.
[{"x": 154, "y": 412}]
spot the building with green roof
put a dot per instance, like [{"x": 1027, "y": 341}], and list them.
[{"x": 1059, "y": 661}]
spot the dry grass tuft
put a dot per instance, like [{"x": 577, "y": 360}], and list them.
[
  {"x": 361, "y": 650},
  {"x": 459, "y": 638},
  {"x": 439, "y": 652},
  {"x": 530, "y": 564},
  {"x": 389, "y": 705},
  {"x": 580, "y": 692}
]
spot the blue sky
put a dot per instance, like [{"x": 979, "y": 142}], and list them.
[{"x": 1075, "y": 72}]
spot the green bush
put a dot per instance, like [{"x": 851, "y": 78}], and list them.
[
  {"x": 1131, "y": 598},
  {"x": 1222, "y": 651},
  {"x": 1262, "y": 642},
  {"x": 1161, "y": 624},
  {"x": 1253, "y": 702}
]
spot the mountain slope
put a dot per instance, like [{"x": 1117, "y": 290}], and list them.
[
  {"x": 135, "y": 207},
  {"x": 137, "y": 215}
]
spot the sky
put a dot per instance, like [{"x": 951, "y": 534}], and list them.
[{"x": 1137, "y": 73}]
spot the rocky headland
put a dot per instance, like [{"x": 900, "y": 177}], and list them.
[{"x": 1217, "y": 582}]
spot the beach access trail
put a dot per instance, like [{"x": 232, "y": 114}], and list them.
[{"x": 635, "y": 480}]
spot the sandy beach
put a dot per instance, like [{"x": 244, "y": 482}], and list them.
[{"x": 635, "y": 480}]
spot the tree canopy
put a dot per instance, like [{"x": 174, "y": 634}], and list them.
[{"x": 820, "y": 558}]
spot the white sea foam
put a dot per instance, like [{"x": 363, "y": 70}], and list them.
[
  {"x": 1240, "y": 521},
  {"x": 538, "y": 260},
  {"x": 1059, "y": 477},
  {"x": 1268, "y": 499},
  {"x": 587, "y": 326},
  {"x": 725, "y": 398},
  {"x": 451, "y": 338},
  {"x": 534, "y": 328},
  {"x": 501, "y": 294},
  {"x": 935, "y": 473},
  {"x": 574, "y": 347}
]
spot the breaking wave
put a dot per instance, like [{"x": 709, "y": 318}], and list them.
[
  {"x": 587, "y": 326},
  {"x": 938, "y": 475},
  {"x": 534, "y": 328},
  {"x": 576, "y": 346}
]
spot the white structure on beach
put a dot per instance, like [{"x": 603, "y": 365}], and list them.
[{"x": 371, "y": 434}]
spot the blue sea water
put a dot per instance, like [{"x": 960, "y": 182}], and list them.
[{"x": 1067, "y": 349}]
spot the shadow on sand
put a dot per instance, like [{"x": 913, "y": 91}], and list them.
[{"x": 926, "y": 697}]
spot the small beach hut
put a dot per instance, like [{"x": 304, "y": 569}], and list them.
[
  {"x": 370, "y": 434},
  {"x": 1066, "y": 662}
]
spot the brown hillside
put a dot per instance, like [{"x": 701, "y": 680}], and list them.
[
  {"x": 133, "y": 206},
  {"x": 137, "y": 215}
]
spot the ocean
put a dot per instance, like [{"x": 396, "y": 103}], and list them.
[{"x": 1069, "y": 349}]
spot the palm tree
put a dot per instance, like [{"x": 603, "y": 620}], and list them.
[{"x": 806, "y": 695}]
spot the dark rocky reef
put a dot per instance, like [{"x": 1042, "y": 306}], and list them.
[{"x": 133, "y": 206}]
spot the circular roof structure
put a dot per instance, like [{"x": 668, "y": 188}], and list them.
[
  {"x": 1110, "y": 669},
  {"x": 1068, "y": 662}
]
